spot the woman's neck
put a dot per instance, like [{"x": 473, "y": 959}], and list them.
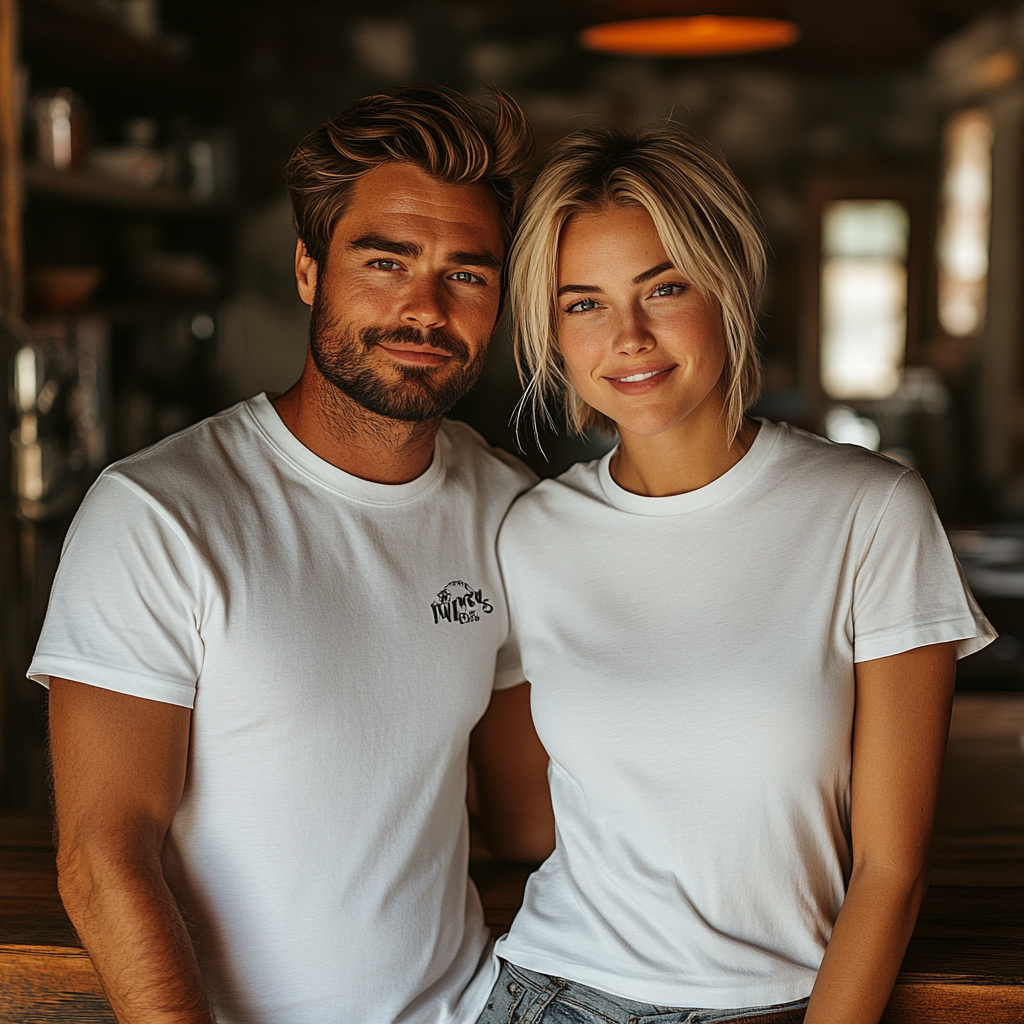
[{"x": 679, "y": 460}]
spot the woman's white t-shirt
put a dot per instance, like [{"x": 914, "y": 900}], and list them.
[{"x": 692, "y": 660}]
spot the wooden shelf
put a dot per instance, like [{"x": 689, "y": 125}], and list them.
[
  {"x": 67, "y": 45},
  {"x": 92, "y": 189}
]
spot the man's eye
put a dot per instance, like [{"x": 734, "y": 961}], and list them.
[
  {"x": 668, "y": 288},
  {"x": 384, "y": 264},
  {"x": 465, "y": 277},
  {"x": 582, "y": 306}
]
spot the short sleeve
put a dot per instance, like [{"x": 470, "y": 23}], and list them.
[
  {"x": 909, "y": 590},
  {"x": 123, "y": 612},
  {"x": 508, "y": 668}
]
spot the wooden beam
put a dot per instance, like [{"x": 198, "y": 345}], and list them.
[
  {"x": 56, "y": 983},
  {"x": 11, "y": 274},
  {"x": 937, "y": 1002}
]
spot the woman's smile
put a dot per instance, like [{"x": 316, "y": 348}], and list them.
[{"x": 640, "y": 382}]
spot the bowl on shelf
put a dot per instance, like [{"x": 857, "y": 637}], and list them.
[
  {"x": 135, "y": 165},
  {"x": 60, "y": 288},
  {"x": 176, "y": 274}
]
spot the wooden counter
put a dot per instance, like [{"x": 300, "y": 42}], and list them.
[{"x": 965, "y": 961}]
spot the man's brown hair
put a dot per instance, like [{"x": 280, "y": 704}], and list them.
[{"x": 451, "y": 137}]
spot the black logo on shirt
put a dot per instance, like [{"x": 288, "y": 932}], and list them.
[{"x": 459, "y": 602}]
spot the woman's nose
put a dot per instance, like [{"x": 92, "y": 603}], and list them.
[{"x": 634, "y": 335}]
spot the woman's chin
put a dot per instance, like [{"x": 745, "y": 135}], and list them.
[
  {"x": 654, "y": 422},
  {"x": 645, "y": 427}
]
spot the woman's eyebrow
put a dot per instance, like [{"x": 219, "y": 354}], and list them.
[
  {"x": 653, "y": 272},
  {"x": 639, "y": 279}
]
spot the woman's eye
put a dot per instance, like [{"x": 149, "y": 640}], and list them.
[
  {"x": 668, "y": 289},
  {"x": 465, "y": 277},
  {"x": 582, "y": 306}
]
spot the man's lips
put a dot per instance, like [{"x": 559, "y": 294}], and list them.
[
  {"x": 421, "y": 355},
  {"x": 640, "y": 381}
]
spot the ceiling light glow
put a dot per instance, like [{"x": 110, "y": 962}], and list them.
[{"x": 705, "y": 35}]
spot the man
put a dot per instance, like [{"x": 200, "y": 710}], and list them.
[{"x": 271, "y": 634}]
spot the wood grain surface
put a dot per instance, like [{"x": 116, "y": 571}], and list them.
[
  {"x": 965, "y": 963},
  {"x": 40, "y": 985}
]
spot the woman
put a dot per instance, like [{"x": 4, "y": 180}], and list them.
[{"x": 741, "y": 637}]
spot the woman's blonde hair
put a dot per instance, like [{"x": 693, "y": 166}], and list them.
[{"x": 705, "y": 221}]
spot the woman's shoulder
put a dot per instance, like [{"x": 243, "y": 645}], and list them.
[
  {"x": 554, "y": 499},
  {"x": 812, "y": 458}
]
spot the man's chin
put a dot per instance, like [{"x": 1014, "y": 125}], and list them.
[{"x": 406, "y": 401}]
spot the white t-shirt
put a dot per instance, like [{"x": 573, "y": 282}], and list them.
[
  {"x": 337, "y": 639},
  {"x": 692, "y": 660}
]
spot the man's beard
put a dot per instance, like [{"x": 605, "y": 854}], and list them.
[{"x": 340, "y": 356}]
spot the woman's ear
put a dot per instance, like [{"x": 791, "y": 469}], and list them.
[{"x": 305, "y": 273}]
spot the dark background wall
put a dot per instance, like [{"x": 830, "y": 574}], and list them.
[{"x": 857, "y": 107}]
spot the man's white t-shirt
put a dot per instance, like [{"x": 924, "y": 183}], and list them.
[
  {"x": 692, "y": 662},
  {"x": 337, "y": 639}
]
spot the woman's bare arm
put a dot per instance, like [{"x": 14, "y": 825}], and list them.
[
  {"x": 118, "y": 773},
  {"x": 901, "y": 725}
]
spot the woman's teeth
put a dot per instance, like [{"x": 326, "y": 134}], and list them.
[{"x": 638, "y": 376}]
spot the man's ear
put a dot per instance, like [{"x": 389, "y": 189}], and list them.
[
  {"x": 305, "y": 273},
  {"x": 502, "y": 296},
  {"x": 498, "y": 318}
]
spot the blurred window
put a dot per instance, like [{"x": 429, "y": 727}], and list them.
[
  {"x": 863, "y": 297},
  {"x": 964, "y": 229},
  {"x": 842, "y": 424}
]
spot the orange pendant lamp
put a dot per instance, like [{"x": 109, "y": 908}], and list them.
[{"x": 709, "y": 29}]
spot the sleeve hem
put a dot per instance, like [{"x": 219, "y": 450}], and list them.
[
  {"x": 130, "y": 683},
  {"x": 971, "y": 636},
  {"x": 506, "y": 678}
]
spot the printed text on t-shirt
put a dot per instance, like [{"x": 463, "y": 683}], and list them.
[{"x": 459, "y": 602}]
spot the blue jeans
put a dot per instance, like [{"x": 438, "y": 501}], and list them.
[{"x": 520, "y": 996}]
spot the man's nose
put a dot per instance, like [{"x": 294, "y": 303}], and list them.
[{"x": 423, "y": 305}]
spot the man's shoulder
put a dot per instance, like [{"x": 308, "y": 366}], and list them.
[
  {"x": 468, "y": 452},
  {"x": 201, "y": 451},
  {"x": 200, "y": 470}
]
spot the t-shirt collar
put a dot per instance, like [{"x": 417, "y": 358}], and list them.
[
  {"x": 710, "y": 494},
  {"x": 294, "y": 451}
]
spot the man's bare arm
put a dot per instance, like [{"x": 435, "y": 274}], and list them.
[
  {"x": 119, "y": 771},
  {"x": 509, "y": 767}
]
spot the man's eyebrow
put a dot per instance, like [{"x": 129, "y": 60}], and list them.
[
  {"x": 475, "y": 259},
  {"x": 378, "y": 243},
  {"x": 653, "y": 272},
  {"x": 591, "y": 289}
]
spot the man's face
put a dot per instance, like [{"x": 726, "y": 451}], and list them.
[{"x": 406, "y": 305}]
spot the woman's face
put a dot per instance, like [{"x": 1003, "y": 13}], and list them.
[{"x": 639, "y": 342}]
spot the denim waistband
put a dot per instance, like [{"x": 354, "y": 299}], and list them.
[
  {"x": 612, "y": 1006},
  {"x": 621, "y": 1010}
]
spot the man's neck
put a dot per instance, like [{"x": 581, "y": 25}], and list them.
[{"x": 343, "y": 433}]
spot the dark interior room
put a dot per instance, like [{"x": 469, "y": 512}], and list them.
[{"x": 147, "y": 282}]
